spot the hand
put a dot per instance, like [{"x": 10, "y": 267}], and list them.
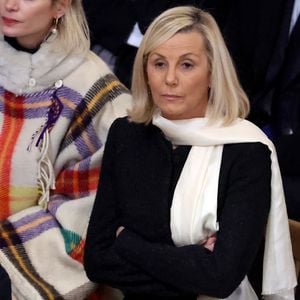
[
  {"x": 119, "y": 230},
  {"x": 210, "y": 243}
]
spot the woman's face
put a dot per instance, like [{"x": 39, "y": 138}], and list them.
[
  {"x": 29, "y": 21},
  {"x": 178, "y": 76}
]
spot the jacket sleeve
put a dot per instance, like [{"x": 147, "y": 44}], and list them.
[
  {"x": 101, "y": 261},
  {"x": 195, "y": 269}
]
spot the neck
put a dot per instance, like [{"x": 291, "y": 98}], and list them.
[
  {"x": 34, "y": 41},
  {"x": 20, "y": 47},
  {"x": 29, "y": 44}
]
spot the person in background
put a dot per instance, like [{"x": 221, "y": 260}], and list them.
[
  {"x": 127, "y": 21},
  {"x": 190, "y": 203},
  {"x": 263, "y": 39},
  {"x": 57, "y": 101}
]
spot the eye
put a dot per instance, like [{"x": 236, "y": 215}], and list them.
[
  {"x": 159, "y": 64},
  {"x": 187, "y": 65}
]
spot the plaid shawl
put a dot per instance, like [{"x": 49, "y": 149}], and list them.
[{"x": 51, "y": 146}]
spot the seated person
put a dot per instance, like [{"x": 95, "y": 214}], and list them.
[{"x": 189, "y": 190}]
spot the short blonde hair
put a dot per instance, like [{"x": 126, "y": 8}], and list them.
[
  {"x": 227, "y": 100},
  {"x": 73, "y": 31}
]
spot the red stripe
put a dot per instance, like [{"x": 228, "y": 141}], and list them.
[
  {"x": 73, "y": 183},
  {"x": 77, "y": 252}
]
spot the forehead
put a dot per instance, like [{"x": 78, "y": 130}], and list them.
[{"x": 181, "y": 43}]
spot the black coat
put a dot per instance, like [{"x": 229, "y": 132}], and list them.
[{"x": 139, "y": 173}]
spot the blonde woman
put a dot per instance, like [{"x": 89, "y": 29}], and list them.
[
  {"x": 57, "y": 101},
  {"x": 190, "y": 192}
]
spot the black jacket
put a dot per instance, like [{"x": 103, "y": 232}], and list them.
[{"x": 139, "y": 173}]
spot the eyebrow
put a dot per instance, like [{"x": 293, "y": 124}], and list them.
[{"x": 182, "y": 56}]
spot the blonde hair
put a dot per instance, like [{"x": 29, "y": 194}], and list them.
[
  {"x": 73, "y": 31},
  {"x": 227, "y": 100}
]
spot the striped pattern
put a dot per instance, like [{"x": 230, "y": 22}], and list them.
[
  {"x": 12, "y": 126},
  {"x": 33, "y": 106},
  {"x": 15, "y": 251},
  {"x": 74, "y": 245},
  {"x": 77, "y": 182},
  {"x": 28, "y": 228},
  {"x": 105, "y": 90}
]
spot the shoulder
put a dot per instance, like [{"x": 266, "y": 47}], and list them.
[
  {"x": 123, "y": 129},
  {"x": 252, "y": 152},
  {"x": 246, "y": 148},
  {"x": 93, "y": 71},
  {"x": 246, "y": 160},
  {"x": 99, "y": 87}
]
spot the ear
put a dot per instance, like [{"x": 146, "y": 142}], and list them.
[{"x": 61, "y": 7}]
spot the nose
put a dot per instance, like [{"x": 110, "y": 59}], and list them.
[
  {"x": 171, "y": 76},
  {"x": 11, "y": 5}
]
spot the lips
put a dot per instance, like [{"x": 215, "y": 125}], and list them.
[
  {"x": 8, "y": 21},
  {"x": 171, "y": 97}
]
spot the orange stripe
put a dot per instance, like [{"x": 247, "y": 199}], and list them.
[
  {"x": 33, "y": 224},
  {"x": 18, "y": 105},
  {"x": 100, "y": 94},
  {"x": 10, "y": 132},
  {"x": 28, "y": 226}
]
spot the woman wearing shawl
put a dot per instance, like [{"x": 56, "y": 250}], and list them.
[
  {"x": 190, "y": 202},
  {"x": 57, "y": 101}
]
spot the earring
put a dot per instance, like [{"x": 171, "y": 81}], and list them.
[{"x": 54, "y": 29}]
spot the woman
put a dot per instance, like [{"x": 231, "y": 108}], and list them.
[
  {"x": 188, "y": 188},
  {"x": 57, "y": 103}
]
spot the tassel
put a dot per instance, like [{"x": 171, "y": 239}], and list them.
[
  {"x": 52, "y": 115},
  {"x": 46, "y": 176}
]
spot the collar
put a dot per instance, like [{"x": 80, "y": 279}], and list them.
[{"x": 22, "y": 72}]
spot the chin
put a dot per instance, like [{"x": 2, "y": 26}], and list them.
[
  {"x": 171, "y": 116},
  {"x": 8, "y": 33}
]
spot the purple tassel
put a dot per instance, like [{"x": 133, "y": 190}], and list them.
[{"x": 53, "y": 114}]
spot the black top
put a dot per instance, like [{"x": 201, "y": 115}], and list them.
[{"x": 138, "y": 176}]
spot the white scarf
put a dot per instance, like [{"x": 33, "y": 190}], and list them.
[{"x": 189, "y": 227}]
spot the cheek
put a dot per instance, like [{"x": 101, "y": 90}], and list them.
[
  {"x": 42, "y": 14},
  {"x": 43, "y": 22},
  {"x": 199, "y": 84},
  {"x": 154, "y": 84},
  {"x": 154, "y": 78}
]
